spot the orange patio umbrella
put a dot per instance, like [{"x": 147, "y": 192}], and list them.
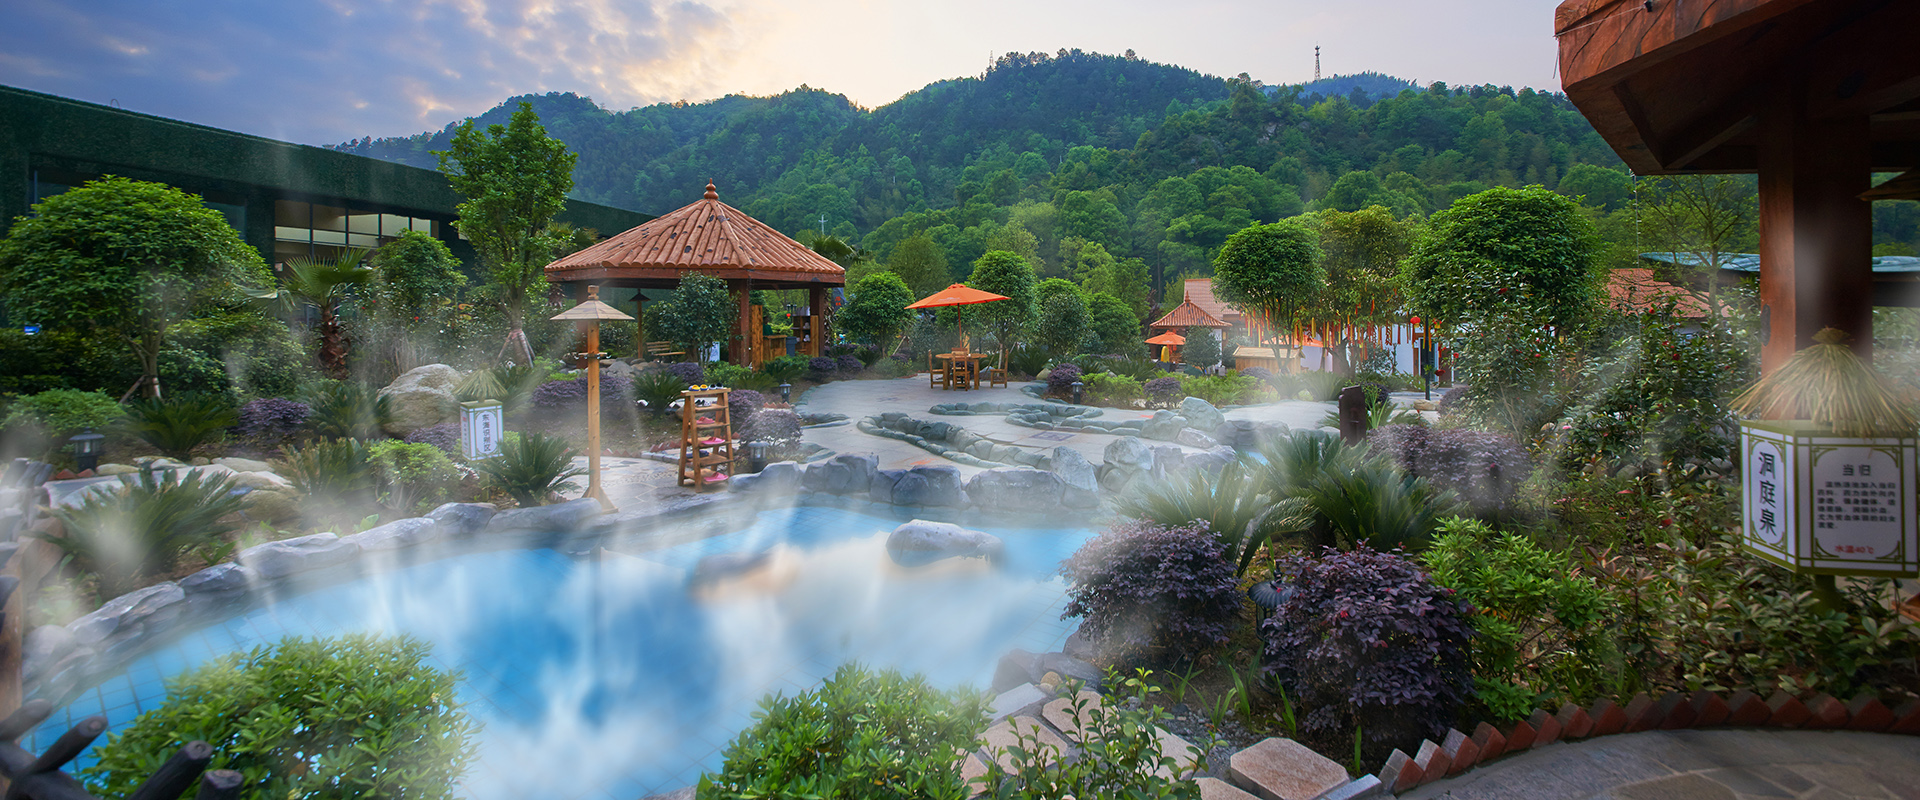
[
  {"x": 958, "y": 294},
  {"x": 1167, "y": 341}
]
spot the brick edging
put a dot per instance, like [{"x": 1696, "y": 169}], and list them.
[{"x": 1459, "y": 752}]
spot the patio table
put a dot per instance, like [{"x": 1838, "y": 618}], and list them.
[{"x": 970, "y": 362}]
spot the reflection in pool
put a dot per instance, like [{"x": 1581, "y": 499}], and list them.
[{"x": 609, "y": 677}]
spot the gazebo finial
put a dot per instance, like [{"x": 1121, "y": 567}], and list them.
[{"x": 712, "y": 193}]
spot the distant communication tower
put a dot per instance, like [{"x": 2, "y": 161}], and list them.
[{"x": 1316, "y": 62}]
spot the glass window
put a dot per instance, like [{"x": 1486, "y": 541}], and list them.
[
  {"x": 392, "y": 225},
  {"x": 329, "y": 218},
  {"x": 363, "y": 222},
  {"x": 329, "y": 237},
  {"x": 300, "y": 234},
  {"x": 363, "y": 240}
]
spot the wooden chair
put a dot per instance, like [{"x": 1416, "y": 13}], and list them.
[
  {"x": 996, "y": 376},
  {"x": 660, "y": 351},
  {"x": 936, "y": 374}
]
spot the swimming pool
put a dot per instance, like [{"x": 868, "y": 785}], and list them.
[{"x": 610, "y": 676}]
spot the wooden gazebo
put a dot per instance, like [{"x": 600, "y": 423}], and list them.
[
  {"x": 711, "y": 237},
  {"x": 1814, "y": 95}
]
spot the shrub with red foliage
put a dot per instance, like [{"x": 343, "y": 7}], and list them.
[{"x": 1142, "y": 585}]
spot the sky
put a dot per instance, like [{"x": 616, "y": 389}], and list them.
[{"x": 325, "y": 71}]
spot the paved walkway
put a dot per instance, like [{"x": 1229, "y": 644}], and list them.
[
  {"x": 860, "y": 399},
  {"x": 1700, "y": 765}
]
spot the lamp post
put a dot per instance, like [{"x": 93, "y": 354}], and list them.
[
  {"x": 86, "y": 448},
  {"x": 786, "y": 393},
  {"x": 1420, "y": 359},
  {"x": 1078, "y": 389},
  {"x": 591, "y": 311}
]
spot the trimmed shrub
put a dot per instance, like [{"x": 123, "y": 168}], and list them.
[
  {"x": 850, "y": 364},
  {"x": 63, "y": 412},
  {"x": 689, "y": 372},
  {"x": 616, "y": 395},
  {"x": 1061, "y": 378},
  {"x": 862, "y": 734},
  {"x": 1162, "y": 391},
  {"x": 1141, "y": 585},
  {"x": 777, "y": 426},
  {"x": 355, "y": 716},
  {"x": 412, "y": 473},
  {"x": 1366, "y": 640},
  {"x": 445, "y": 436},
  {"x": 822, "y": 367},
  {"x": 272, "y": 417},
  {"x": 1482, "y": 468},
  {"x": 1537, "y": 622},
  {"x": 1107, "y": 388},
  {"x": 1261, "y": 374},
  {"x": 732, "y": 376},
  {"x": 742, "y": 406},
  {"x": 785, "y": 369}
]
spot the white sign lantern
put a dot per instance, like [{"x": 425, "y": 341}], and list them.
[
  {"x": 481, "y": 424},
  {"x": 1818, "y": 503}
]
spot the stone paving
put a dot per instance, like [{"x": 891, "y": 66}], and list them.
[
  {"x": 859, "y": 399},
  {"x": 1749, "y": 764}
]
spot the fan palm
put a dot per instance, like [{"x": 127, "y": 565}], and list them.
[{"x": 322, "y": 284}]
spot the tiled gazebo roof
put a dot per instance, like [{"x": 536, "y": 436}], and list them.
[
  {"x": 706, "y": 236},
  {"x": 1188, "y": 315}
]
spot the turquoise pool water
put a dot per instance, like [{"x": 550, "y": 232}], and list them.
[{"x": 610, "y": 680}]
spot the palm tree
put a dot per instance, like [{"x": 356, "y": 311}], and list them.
[{"x": 322, "y": 284}]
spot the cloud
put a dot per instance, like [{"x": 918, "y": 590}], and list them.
[{"x": 322, "y": 72}]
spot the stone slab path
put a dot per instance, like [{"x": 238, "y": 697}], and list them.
[{"x": 1700, "y": 765}]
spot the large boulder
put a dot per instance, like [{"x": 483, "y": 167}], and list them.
[
  {"x": 780, "y": 477},
  {"x": 572, "y": 515},
  {"x": 1192, "y": 437},
  {"x": 302, "y": 554},
  {"x": 1128, "y": 452},
  {"x": 1081, "y": 481},
  {"x": 129, "y": 615},
  {"x": 396, "y": 535},
  {"x": 842, "y": 474},
  {"x": 929, "y": 486},
  {"x": 421, "y": 398},
  {"x": 1017, "y": 489},
  {"x": 919, "y": 541},
  {"x": 223, "y": 580},
  {"x": 1164, "y": 426},
  {"x": 1168, "y": 460},
  {"x": 461, "y": 520},
  {"x": 1201, "y": 414}
]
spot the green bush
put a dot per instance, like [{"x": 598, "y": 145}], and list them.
[
  {"x": 63, "y": 412},
  {"x": 1317, "y": 385},
  {"x": 530, "y": 467},
  {"x": 1119, "y": 753},
  {"x": 410, "y": 474},
  {"x": 144, "y": 525},
  {"x": 335, "y": 475},
  {"x": 1537, "y": 621},
  {"x": 862, "y": 734},
  {"x": 1111, "y": 389},
  {"x": 785, "y": 369},
  {"x": 347, "y": 409},
  {"x": 732, "y": 376},
  {"x": 1234, "y": 505},
  {"x": 1220, "y": 390},
  {"x": 1027, "y": 360},
  {"x": 356, "y": 716},
  {"x": 178, "y": 426},
  {"x": 658, "y": 390}
]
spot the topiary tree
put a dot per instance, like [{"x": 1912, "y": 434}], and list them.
[
  {"x": 124, "y": 258},
  {"x": 699, "y": 312},
  {"x": 876, "y": 308},
  {"x": 515, "y": 179},
  {"x": 355, "y": 716},
  {"x": 1271, "y": 270},
  {"x": 1003, "y": 273},
  {"x": 1202, "y": 350},
  {"x": 1501, "y": 248},
  {"x": 1113, "y": 325},
  {"x": 1143, "y": 584},
  {"x": 412, "y": 274},
  {"x": 1061, "y": 326}
]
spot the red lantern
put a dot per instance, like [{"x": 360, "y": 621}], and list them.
[{"x": 1415, "y": 320}]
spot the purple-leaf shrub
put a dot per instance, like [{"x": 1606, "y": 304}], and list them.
[
  {"x": 1161, "y": 391},
  {"x": 1141, "y": 584},
  {"x": 822, "y": 365},
  {"x": 445, "y": 436},
  {"x": 776, "y": 425},
  {"x": 616, "y": 394},
  {"x": 1365, "y": 638},
  {"x": 689, "y": 372},
  {"x": 1481, "y": 467},
  {"x": 1261, "y": 374},
  {"x": 1060, "y": 379},
  {"x": 272, "y": 416},
  {"x": 850, "y": 364},
  {"x": 742, "y": 406}
]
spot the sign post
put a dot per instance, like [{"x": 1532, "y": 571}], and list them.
[
  {"x": 1823, "y": 504},
  {"x": 480, "y": 428}
]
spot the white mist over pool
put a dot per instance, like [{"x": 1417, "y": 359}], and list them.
[{"x": 608, "y": 677}]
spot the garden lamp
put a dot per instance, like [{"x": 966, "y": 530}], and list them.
[
  {"x": 86, "y": 448},
  {"x": 786, "y": 393},
  {"x": 1078, "y": 387},
  {"x": 591, "y": 311}
]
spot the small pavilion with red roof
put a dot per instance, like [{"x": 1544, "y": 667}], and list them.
[{"x": 711, "y": 237}]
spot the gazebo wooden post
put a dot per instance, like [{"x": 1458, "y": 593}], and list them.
[
  {"x": 1816, "y": 234},
  {"x": 744, "y": 290},
  {"x": 639, "y": 323},
  {"x": 817, "y": 311}
]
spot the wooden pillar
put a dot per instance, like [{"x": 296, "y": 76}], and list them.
[
  {"x": 640, "y": 323},
  {"x": 744, "y": 290},
  {"x": 817, "y": 309},
  {"x": 1816, "y": 234}
]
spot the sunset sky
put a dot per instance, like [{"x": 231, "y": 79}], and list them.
[{"x": 323, "y": 71}]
